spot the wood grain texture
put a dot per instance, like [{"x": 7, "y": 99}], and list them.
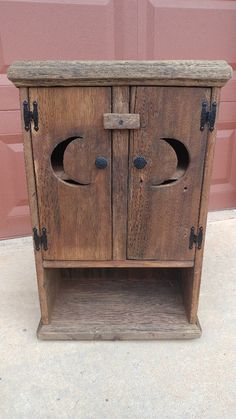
[
  {"x": 186, "y": 278},
  {"x": 162, "y": 206},
  {"x": 209, "y": 157},
  {"x": 74, "y": 73},
  {"x": 121, "y": 121},
  {"x": 119, "y": 304},
  {"x": 120, "y": 151},
  {"x": 116, "y": 263},
  {"x": 75, "y": 161},
  {"x": 77, "y": 217},
  {"x": 46, "y": 288}
]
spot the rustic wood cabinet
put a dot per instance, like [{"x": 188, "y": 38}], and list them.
[{"x": 118, "y": 159}]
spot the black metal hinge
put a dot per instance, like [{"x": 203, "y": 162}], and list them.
[
  {"x": 40, "y": 241},
  {"x": 29, "y": 115},
  {"x": 196, "y": 238},
  {"x": 208, "y": 117}
]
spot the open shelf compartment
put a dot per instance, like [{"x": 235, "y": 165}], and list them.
[{"x": 117, "y": 303}]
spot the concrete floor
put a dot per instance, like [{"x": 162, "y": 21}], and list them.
[{"x": 116, "y": 380}]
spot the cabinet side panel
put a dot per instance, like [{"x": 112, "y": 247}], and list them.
[
  {"x": 120, "y": 143},
  {"x": 192, "y": 278},
  {"x": 45, "y": 289}
]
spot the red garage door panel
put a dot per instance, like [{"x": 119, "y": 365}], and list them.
[
  {"x": 14, "y": 210},
  {"x": 187, "y": 29},
  {"x": 223, "y": 189},
  {"x": 193, "y": 29},
  {"x": 67, "y": 30}
]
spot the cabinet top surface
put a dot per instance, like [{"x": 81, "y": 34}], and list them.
[{"x": 107, "y": 73}]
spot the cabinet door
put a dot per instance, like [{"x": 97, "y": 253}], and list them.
[
  {"x": 72, "y": 156},
  {"x": 166, "y": 171}
]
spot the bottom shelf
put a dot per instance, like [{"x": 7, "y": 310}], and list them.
[{"x": 122, "y": 304}]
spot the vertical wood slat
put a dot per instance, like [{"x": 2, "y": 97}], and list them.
[
  {"x": 46, "y": 288},
  {"x": 120, "y": 145},
  {"x": 193, "y": 282}
]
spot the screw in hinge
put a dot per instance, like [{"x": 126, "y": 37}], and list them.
[
  {"x": 30, "y": 115},
  {"x": 44, "y": 240},
  {"x": 36, "y": 238},
  {"x": 196, "y": 238},
  {"x": 35, "y": 116},
  {"x": 203, "y": 115},
  {"x": 40, "y": 241},
  {"x": 26, "y": 115},
  {"x": 208, "y": 117},
  {"x": 212, "y": 117}
]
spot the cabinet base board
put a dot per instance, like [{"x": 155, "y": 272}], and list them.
[
  {"x": 123, "y": 304},
  {"x": 163, "y": 332}
]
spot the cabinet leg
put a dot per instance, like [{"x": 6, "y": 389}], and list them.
[
  {"x": 190, "y": 282},
  {"x": 47, "y": 287}
]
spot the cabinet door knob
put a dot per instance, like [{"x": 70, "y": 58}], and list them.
[
  {"x": 101, "y": 162},
  {"x": 140, "y": 162}
]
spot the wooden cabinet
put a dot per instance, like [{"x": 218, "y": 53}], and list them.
[{"x": 118, "y": 159}]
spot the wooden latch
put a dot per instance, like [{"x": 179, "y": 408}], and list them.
[{"x": 121, "y": 120}]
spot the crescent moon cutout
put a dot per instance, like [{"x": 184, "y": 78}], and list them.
[
  {"x": 182, "y": 159},
  {"x": 59, "y": 161}
]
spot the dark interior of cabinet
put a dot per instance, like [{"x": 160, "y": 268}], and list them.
[{"x": 118, "y": 303}]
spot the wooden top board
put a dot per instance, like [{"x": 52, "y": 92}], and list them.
[{"x": 106, "y": 73}]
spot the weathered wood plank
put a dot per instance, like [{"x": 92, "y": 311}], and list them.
[
  {"x": 74, "y": 73},
  {"x": 57, "y": 331},
  {"x": 120, "y": 151},
  {"x": 118, "y": 239},
  {"x": 46, "y": 287},
  {"x": 121, "y": 121},
  {"x": 194, "y": 288}
]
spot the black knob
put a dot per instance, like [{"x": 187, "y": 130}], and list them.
[
  {"x": 101, "y": 162},
  {"x": 140, "y": 162}
]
